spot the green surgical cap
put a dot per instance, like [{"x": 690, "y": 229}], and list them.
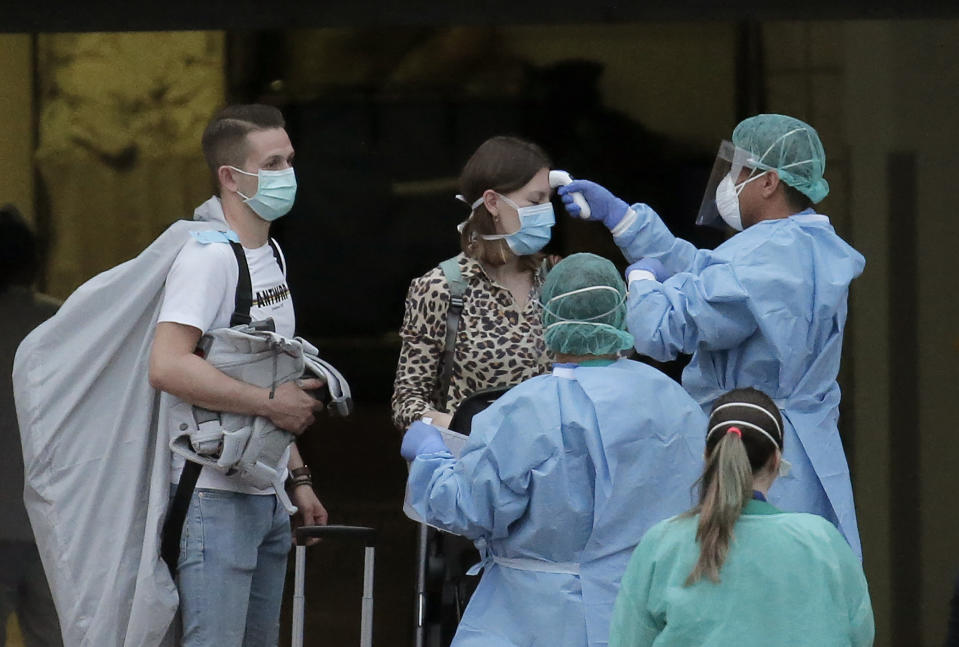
[
  {"x": 788, "y": 146},
  {"x": 584, "y": 307}
]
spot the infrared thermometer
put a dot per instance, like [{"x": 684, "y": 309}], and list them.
[{"x": 562, "y": 178}]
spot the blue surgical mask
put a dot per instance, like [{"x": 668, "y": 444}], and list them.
[
  {"x": 275, "y": 192},
  {"x": 535, "y": 223}
]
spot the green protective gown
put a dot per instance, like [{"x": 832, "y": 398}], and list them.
[{"x": 788, "y": 579}]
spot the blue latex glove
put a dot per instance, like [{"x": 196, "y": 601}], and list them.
[
  {"x": 650, "y": 265},
  {"x": 421, "y": 438},
  {"x": 604, "y": 206}
]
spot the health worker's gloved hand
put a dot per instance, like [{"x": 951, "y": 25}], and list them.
[
  {"x": 646, "y": 268},
  {"x": 603, "y": 205},
  {"x": 421, "y": 438}
]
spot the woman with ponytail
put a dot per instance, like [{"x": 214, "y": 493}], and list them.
[{"x": 735, "y": 570}]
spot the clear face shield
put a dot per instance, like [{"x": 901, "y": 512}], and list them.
[{"x": 730, "y": 161}]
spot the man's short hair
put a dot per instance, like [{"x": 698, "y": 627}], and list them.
[
  {"x": 224, "y": 140},
  {"x": 796, "y": 199}
]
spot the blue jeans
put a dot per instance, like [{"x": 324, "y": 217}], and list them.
[{"x": 232, "y": 564}]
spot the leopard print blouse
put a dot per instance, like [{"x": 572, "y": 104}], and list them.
[{"x": 496, "y": 344}]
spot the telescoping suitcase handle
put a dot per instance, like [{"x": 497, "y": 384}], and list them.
[{"x": 367, "y": 536}]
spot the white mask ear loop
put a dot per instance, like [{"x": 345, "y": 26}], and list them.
[
  {"x": 510, "y": 203},
  {"x": 581, "y": 290},
  {"x": 742, "y": 185},
  {"x": 622, "y": 300},
  {"x": 459, "y": 196},
  {"x": 256, "y": 175},
  {"x": 476, "y": 203}
]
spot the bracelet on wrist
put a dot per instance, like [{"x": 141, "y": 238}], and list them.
[{"x": 299, "y": 476}]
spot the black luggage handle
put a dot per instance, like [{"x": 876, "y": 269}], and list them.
[{"x": 357, "y": 533}]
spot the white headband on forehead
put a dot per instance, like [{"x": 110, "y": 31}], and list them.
[
  {"x": 741, "y": 423},
  {"x": 749, "y": 405}
]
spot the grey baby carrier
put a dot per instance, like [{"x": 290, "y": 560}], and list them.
[{"x": 251, "y": 447}]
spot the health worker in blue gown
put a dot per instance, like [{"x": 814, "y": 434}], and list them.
[
  {"x": 765, "y": 309},
  {"x": 563, "y": 474}
]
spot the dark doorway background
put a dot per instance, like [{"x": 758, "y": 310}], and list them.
[
  {"x": 375, "y": 209},
  {"x": 377, "y": 170}
]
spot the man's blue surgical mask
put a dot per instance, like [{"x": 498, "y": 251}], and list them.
[
  {"x": 535, "y": 223},
  {"x": 275, "y": 193}
]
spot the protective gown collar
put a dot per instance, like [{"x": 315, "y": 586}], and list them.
[{"x": 756, "y": 507}]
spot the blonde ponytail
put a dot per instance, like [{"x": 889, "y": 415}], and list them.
[
  {"x": 745, "y": 431},
  {"x": 725, "y": 488}
]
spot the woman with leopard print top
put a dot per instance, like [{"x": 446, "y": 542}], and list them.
[{"x": 500, "y": 337}]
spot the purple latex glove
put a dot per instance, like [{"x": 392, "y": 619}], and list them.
[
  {"x": 603, "y": 205},
  {"x": 421, "y": 438},
  {"x": 651, "y": 265}
]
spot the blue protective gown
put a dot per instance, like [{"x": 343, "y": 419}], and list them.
[
  {"x": 788, "y": 579},
  {"x": 765, "y": 309},
  {"x": 557, "y": 484}
]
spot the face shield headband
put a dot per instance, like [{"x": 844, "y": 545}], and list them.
[{"x": 730, "y": 161}]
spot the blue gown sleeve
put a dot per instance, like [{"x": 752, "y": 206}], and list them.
[
  {"x": 487, "y": 488},
  {"x": 632, "y": 624},
  {"x": 646, "y": 235},
  {"x": 709, "y": 310}
]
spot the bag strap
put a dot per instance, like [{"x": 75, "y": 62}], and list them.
[
  {"x": 243, "y": 298},
  {"x": 451, "y": 270},
  {"x": 176, "y": 515}
]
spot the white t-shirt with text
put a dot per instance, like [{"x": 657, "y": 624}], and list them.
[{"x": 200, "y": 292}]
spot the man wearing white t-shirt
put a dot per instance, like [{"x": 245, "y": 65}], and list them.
[{"x": 236, "y": 537}]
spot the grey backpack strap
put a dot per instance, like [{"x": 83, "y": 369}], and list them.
[
  {"x": 451, "y": 270},
  {"x": 544, "y": 269}
]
